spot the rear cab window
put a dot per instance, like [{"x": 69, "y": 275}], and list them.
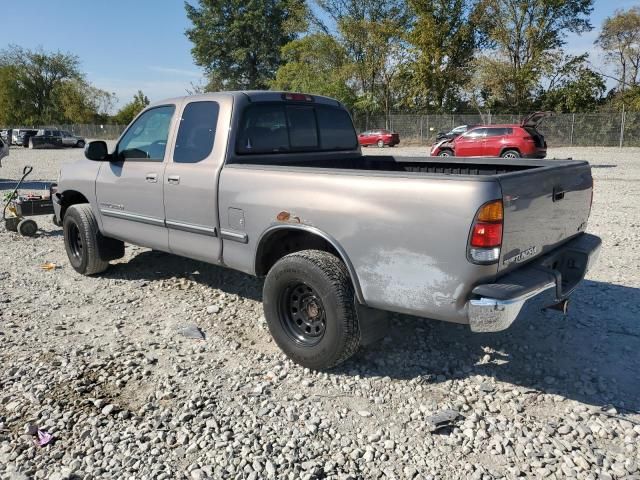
[
  {"x": 282, "y": 128},
  {"x": 197, "y": 132}
]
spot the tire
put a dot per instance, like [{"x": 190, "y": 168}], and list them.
[
  {"x": 81, "y": 240},
  {"x": 510, "y": 154},
  {"x": 27, "y": 227},
  {"x": 80, "y": 144},
  {"x": 325, "y": 330},
  {"x": 446, "y": 153},
  {"x": 380, "y": 143}
]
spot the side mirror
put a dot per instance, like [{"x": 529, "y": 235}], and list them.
[{"x": 97, "y": 151}]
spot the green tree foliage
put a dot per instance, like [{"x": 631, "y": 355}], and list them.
[
  {"x": 127, "y": 113},
  {"x": 318, "y": 64},
  {"x": 572, "y": 86},
  {"x": 443, "y": 42},
  {"x": 522, "y": 35},
  {"x": 11, "y": 98},
  {"x": 238, "y": 42},
  {"x": 39, "y": 87},
  {"x": 372, "y": 34},
  {"x": 620, "y": 40}
]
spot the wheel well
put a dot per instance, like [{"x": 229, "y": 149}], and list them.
[
  {"x": 506, "y": 149},
  {"x": 71, "y": 197},
  {"x": 283, "y": 242}
]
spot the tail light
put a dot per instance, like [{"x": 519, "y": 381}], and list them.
[
  {"x": 486, "y": 233},
  {"x": 529, "y": 139},
  {"x": 297, "y": 97}
]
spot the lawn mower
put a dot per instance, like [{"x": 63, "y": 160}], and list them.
[{"x": 21, "y": 206}]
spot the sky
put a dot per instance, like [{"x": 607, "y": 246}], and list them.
[{"x": 127, "y": 45}]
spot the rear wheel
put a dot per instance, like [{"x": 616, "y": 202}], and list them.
[
  {"x": 81, "y": 240},
  {"x": 310, "y": 309},
  {"x": 510, "y": 154},
  {"x": 80, "y": 144},
  {"x": 380, "y": 143}
]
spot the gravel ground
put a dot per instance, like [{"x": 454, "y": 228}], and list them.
[{"x": 100, "y": 364}]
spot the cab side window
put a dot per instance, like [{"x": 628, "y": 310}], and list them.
[
  {"x": 146, "y": 138},
  {"x": 197, "y": 132}
]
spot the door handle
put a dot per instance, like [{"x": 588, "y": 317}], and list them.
[
  {"x": 558, "y": 194},
  {"x": 152, "y": 177},
  {"x": 173, "y": 179}
]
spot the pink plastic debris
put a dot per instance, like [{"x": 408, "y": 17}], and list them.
[{"x": 44, "y": 438}]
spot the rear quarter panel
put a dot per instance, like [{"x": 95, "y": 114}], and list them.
[{"x": 405, "y": 235}]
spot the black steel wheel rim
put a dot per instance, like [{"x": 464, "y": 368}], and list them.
[
  {"x": 302, "y": 314},
  {"x": 75, "y": 241}
]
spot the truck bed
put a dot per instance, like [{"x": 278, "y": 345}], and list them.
[
  {"x": 546, "y": 202},
  {"x": 389, "y": 163}
]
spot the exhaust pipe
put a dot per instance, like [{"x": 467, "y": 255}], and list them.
[{"x": 562, "y": 306}]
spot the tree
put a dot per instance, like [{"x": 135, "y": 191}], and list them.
[
  {"x": 238, "y": 42},
  {"x": 372, "y": 33},
  {"x": 620, "y": 41},
  {"x": 318, "y": 64},
  {"x": 79, "y": 102},
  {"x": 40, "y": 88},
  {"x": 37, "y": 76},
  {"x": 11, "y": 98},
  {"x": 127, "y": 113},
  {"x": 521, "y": 35},
  {"x": 572, "y": 86},
  {"x": 443, "y": 41}
]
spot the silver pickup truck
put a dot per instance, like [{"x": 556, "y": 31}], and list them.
[{"x": 274, "y": 184}]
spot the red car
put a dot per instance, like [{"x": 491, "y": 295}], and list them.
[
  {"x": 379, "y": 137},
  {"x": 507, "y": 141}
]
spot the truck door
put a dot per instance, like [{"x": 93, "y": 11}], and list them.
[
  {"x": 191, "y": 180},
  {"x": 129, "y": 188}
]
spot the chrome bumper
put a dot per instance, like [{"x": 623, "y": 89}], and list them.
[{"x": 537, "y": 284}]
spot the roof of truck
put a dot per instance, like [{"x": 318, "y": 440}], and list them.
[{"x": 252, "y": 95}]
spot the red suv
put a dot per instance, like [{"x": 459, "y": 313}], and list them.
[
  {"x": 379, "y": 137},
  {"x": 507, "y": 141}
]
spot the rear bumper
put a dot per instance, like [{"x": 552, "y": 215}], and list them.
[
  {"x": 541, "y": 283},
  {"x": 539, "y": 154}
]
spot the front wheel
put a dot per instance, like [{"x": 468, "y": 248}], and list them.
[
  {"x": 446, "y": 153},
  {"x": 81, "y": 240},
  {"x": 380, "y": 143},
  {"x": 80, "y": 144},
  {"x": 310, "y": 308}
]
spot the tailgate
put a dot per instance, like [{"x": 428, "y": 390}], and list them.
[{"x": 543, "y": 207}]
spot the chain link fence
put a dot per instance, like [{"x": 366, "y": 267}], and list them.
[
  {"x": 99, "y": 132},
  {"x": 560, "y": 130}
]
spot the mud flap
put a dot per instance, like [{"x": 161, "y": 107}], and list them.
[{"x": 374, "y": 324}]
